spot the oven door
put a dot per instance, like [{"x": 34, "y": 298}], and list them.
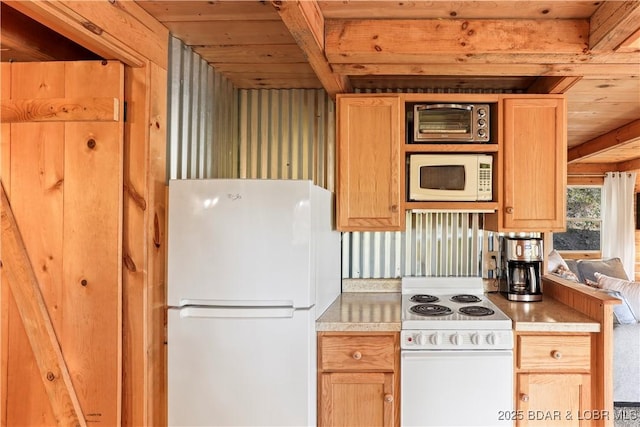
[{"x": 457, "y": 388}]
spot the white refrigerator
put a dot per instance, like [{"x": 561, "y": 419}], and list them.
[{"x": 251, "y": 265}]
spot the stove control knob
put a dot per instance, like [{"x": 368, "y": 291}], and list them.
[
  {"x": 492, "y": 338},
  {"x": 436, "y": 339},
  {"x": 421, "y": 339},
  {"x": 456, "y": 339},
  {"x": 475, "y": 339}
]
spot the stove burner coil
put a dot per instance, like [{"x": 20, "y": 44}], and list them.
[
  {"x": 423, "y": 298},
  {"x": 430, "y": 310},
  {"x": 476, "y": 310},
  {"x": 465, "y": 298}
]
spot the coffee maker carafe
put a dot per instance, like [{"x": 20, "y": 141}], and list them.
[{"x": 520, "y": 269}]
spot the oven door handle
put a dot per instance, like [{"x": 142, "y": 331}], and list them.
[{"x": 416, "y": 355}]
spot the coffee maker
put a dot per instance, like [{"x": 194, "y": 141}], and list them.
[{"x": 520, "y": 268}]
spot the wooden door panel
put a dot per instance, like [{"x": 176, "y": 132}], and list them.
[
  {"x": 65, "y": 188},
  {"x": 36, "y": 201},
  {"x": 36, "y": 169},
  {"x": 91, "y": 265}
]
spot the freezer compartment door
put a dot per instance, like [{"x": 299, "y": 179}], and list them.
[
  {"x": 256, "y": 369},
  {"x": 233, "y": 238}
]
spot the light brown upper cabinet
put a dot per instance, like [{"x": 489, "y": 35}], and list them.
[
  {"x": 534, "y": 171},
  {"x": 368, "y": 163}
]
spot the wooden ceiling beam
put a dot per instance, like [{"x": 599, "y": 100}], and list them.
[
  {"x": 490, "y": 69},
  {"x": 591, "y": 169},
  {"x": 305, "y": 22},
  {"x": 609, "y": 140},
  {"x": 453, "y": 40},
  {"x": 629, "y": 165},
  {"x": 613, "y": 23}
]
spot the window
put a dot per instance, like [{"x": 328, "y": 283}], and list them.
[{"x": 584, "y": 220}]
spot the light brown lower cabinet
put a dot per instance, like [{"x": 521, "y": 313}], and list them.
[
  {"x": 358, "y": 379},
  {"x": 553, "y": 381}
]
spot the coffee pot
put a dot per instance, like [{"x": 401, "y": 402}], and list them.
[{"x": 520, "y": 268}]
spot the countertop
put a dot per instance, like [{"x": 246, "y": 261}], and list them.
[
  {"x": 547, "y": 315},
  {"x": 374, "y": 305},
  {"x": 362, "y": 312}
]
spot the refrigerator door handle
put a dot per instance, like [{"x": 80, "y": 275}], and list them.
[{"x": 237, "y": 312}]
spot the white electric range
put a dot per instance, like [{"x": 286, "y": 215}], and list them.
[{"x": 456, "y": 354}]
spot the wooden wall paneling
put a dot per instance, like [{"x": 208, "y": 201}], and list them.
[
  {"x": 36, "y": 199},
  {"x": 134, "y": 242},
  {"x": 18, "y": 272},
  {"x": 5, "y": 179},
  {"x": 91, "y": 329},
  {"x": 156, "y": 237},
  {"x": 144, "y": 248}
]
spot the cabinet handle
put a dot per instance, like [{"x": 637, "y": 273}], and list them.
[
  {"x": 394, "y": 208},
  {"x": 357, "y": 355},
  {"x": 524, "y": 397},
  {"x": 556, "y": 354},
  {"x": 509, "y": 210},
  {"x": 388, "y": 398}
]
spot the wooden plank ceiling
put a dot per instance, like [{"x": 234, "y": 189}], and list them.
[{"x": 589, "y": 50}]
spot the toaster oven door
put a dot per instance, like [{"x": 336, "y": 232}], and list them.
[{"x": 443, "y": 122}]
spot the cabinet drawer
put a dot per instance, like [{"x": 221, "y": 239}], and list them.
[
  {"x": 357, "y": 352},
  {"x": 554, "y": 352}
]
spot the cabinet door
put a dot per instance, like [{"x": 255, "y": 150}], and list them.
[
  {"x": 357, "y": 399},
  {"x": 535, "y": 159},
  {"x": 368, "y": 163},
  {"x": 553, "y": 400}
]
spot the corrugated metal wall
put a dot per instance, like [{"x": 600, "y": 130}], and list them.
[
  {"x": 287, "y": 134},
  {"x": 433, "y": 244},
  {"x": 217, "y": 131},
  {"x": 203, "y": 108}
]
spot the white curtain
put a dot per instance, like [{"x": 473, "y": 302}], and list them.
[{"x": 618, "y": 239}]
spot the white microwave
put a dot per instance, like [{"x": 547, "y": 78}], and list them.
[{"x": 450, "y": 177}]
